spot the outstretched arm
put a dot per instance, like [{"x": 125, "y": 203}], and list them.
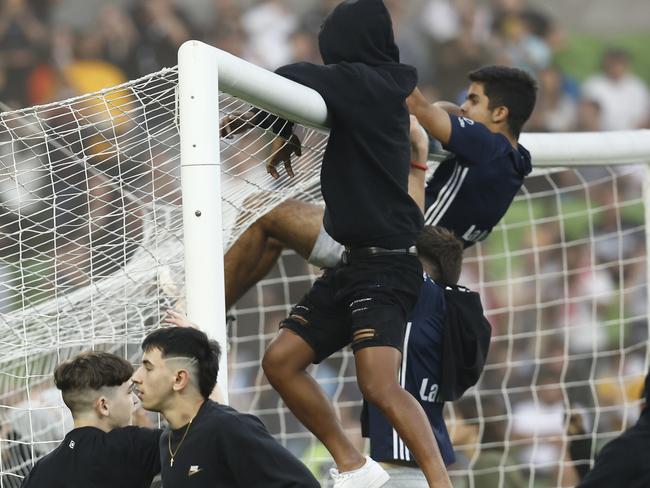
[
  {"x": 283, "y": 147},
  {"x": 419, "y": 156},
  {"x": 433, "y": 117}
]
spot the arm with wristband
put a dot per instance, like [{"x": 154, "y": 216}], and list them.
[{"x": 419, "y": 156}]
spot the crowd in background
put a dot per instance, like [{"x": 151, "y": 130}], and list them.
[
  {"x": 41, "y": 61},
  {"x": 599, "y": 272}
]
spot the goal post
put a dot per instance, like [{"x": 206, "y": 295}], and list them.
[
  {"x": 109, "y": 215},
  {"x": 201, "y": 71},
  {"x": 198, "y": 103}
]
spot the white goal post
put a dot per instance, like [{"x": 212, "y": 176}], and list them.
[
  {"x": 204, "y": 69},
  {"x": 117, "y": 205}
]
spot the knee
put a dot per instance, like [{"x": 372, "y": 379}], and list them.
[
  {"x": 273, "y": 363},
  {"x": 377, "y": 390},
  {"x": 282, "y": 361}
]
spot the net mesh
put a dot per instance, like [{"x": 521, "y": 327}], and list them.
[
  {"x": 91, "y": 241},
  {"x": 563, "y": 280},
  {"x": 91, "y": 254}
]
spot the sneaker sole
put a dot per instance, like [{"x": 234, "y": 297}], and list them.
[{"x": 380, "y": 480}]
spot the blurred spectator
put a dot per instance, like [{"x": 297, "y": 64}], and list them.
[
  {"x": 482, "y": 446},
  {"x": 304, "y": 47},
  {"x": 623, "y": 96},
  {"x": 518, "y": 45},
  {"x": 88, "y": 72},
  {"x": 227, "y": 33},
  {"x": 539, "y": 420},
  {"x": 590, "y": 115},
  {"x": 163, "y": 28},
  {"x": 22, "y": 37},
  {"x": 591, "y": 291},
  {"x": 461, "y": 54},
  {"x": 119, "y": 38},
  {"x": 445, "y": 20},
  {"x": 555, "y": 110},
  {"x": 269, "y": 26}
]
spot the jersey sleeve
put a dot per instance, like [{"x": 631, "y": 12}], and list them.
[
  {"x": 319, "y": 78},
  {"x": 253, "y": 456},
  {"x": 473, "y": 142},
  {"x": 329, "y": 81},
  {"x": 144, "y": 449}
]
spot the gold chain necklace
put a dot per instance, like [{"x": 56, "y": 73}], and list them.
[{"x": 173, "y": 453}]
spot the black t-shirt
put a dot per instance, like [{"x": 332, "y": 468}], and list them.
[
  {"x": 623, "y": 461},
  {"x": 88, "y": 457},
  {"x": 364, "y": 176},
  {"x": 227, "y": 449},
  {"x": 472, "y": 189}
]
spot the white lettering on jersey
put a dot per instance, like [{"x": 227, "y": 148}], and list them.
[
  {"x": 71, "y": 445},
  {"x": 475, "y": 235},
  {"x": 464, "y": 120},
  {"x": 431, "y": 395}
]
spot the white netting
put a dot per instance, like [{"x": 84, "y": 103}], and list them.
[
  {"x": 91, "y": 242},
  {"x": 563, "y": 279},
  {"x": 91, "y": 252}
]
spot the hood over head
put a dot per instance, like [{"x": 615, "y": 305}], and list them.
[
  {"x": 358, "y": 31},
  {"x": 523, "y": 163}
]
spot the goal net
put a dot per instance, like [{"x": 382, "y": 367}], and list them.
[
  {"x": 92, "y": 254},
  {"x": 563, "y": 279}
]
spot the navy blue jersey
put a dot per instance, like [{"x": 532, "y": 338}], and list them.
[
  {"x": 472, "y": 188},
  {"x": 420, "y": 376}
]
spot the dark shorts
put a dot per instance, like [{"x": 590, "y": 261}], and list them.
[{"x": 365, "y": 303}]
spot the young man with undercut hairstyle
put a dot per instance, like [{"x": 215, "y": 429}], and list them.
[
  {"x": 473, "y": 187},
  {"x": 207, "y": 444},
  {"x": 102, "y": 450}
]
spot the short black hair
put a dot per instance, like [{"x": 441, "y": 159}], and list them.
[
  {"x": 509, "y": 87},
  {"x": 442, "y": 249},
  {"x": 190, "y": 343},
  {"x": 91, "y": 370}
]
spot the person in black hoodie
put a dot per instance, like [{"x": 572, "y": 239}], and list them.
[{"x": 365, "y": 299}]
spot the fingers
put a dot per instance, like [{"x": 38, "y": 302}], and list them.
[
  {"x": 235, "y": 123},
  {"x": 282, "y": 150},
  {"x": 288, "y": 168},
  {"x": 270, "y": 169},
  {"x": 225, "y": 127},
  {"x": 172, "y": 317},
  {"x": 296, "y": 145}
]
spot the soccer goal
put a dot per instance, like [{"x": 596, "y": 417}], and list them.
[{"x": 98, "y": 237}]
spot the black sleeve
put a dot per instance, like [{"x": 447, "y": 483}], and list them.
[
  {"x": 266, "y": 120},
  {"x": 30, "y": 479},
  {"x": 331, "y": 82},
  {"x": 254, "y": 457},
  {"x": 615, "y": 463},
  {"x": 145, "y": 449}
]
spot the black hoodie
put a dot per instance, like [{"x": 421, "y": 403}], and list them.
[{"x": 364, "y": 176}]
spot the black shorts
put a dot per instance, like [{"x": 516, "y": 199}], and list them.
[{"x": 365, "y": 302}]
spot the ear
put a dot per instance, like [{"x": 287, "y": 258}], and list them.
[
  {"x": 500, "y": 114},
  {"x": 101, "y": 406},
  {"x": 181, "y": 380}
]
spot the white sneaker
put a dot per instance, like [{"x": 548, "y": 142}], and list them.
[{"x": 370, "y": 475}]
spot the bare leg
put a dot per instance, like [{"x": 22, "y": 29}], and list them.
[
  {"x": 285, "y": 364},
  {"x": 377, "y": 369},
  {"x": 292, "y": 224}
]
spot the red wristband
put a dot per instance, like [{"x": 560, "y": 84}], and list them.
[{"x": 415, "y": 164}]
